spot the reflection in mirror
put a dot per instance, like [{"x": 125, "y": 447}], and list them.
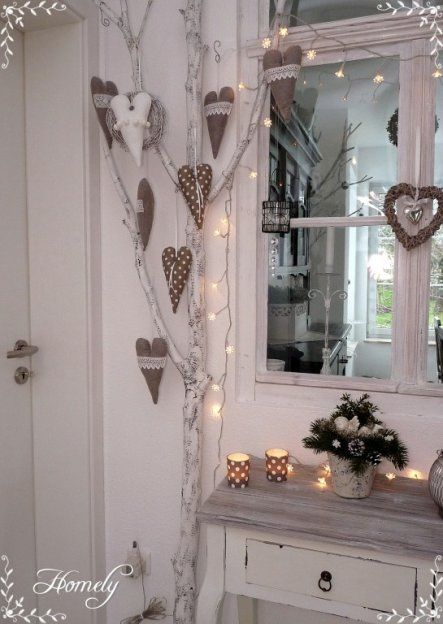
[
  {"x": 334, "y": 158},
  {"x": 315, "y": 11},
  {"x": 360, "y": 318},
  {"x": 435, "y": 348}
]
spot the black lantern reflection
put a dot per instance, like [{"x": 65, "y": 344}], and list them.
[{"x": 277, "y": 216}]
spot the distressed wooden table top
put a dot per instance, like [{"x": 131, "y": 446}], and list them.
[{"x": 398, "y": 518}]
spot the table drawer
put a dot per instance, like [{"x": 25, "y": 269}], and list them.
[{"x": 355, "y": 581}]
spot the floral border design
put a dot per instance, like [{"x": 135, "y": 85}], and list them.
[
  {"x": 429, "y": 16},
  {"x": 13, "y": 14},
  {"x": 429, "y": 610},
  {"x": 14, "y": 609}
]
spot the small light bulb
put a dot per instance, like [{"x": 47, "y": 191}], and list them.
[
  {"x": 322, "y": 482},
  {"x": 217, "y": 232},
  {"x": 215, "y": 387},
  {"x": 215, "y": 409},
  {"x": 390, "y": 476},
  {"x": 378, "y": 78},
  {"x": 212, "y": 316},
  {"x": 267, "y": 122},
  {"x": 327, "y": 469},
  {"x": 340, "y": 72},
  {"x": 253, "y": 175},
  {"x": 311, "y": 54},
  {"x": 241, "y": 86},
  {"x": 266, "y": 43},
  {"x": 437, "y": 74},
  {"x": 290, "y": 469},
  {"x": 229, "y": 349},
  {"x": 354, "y": 160},
  {"x": 214, "y": 285},
  {"x": 283, "y": 31},
  {"x": 224, "y": 221},
  {"x": 415, "y": 474}
]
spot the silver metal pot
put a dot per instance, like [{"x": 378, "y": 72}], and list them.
[{"x": 436, "y": 481}]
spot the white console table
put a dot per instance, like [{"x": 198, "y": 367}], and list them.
[{"x": 275, "y": 541}]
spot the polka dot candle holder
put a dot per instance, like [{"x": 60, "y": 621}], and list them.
[
  {"x": 277, "y": 465},
  {"x": 239, "y": 465}
]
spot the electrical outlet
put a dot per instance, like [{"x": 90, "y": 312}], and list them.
[{"x": 138, "y": 561}]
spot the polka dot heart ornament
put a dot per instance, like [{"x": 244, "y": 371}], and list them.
[
  {"x": 195, "y": 190},
  {"x": 176, "y": 268}
]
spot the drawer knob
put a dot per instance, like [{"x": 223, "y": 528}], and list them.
[{"x": 325, "y": 581}]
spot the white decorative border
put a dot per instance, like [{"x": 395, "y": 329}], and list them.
[
  {"x": 14, "y": 609},
  {"x": 429, "y": 610},
  {"x": 429, "y": 16},
  {"x": 13, "y": 14}
]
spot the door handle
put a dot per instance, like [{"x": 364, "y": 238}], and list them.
[{"x": 21, "y": 350}]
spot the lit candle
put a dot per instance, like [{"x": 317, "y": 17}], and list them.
[
  {"x": 277, "y": 465},
  {"x": 330, "y": 235},
  {"x": 238, "y": 470}
]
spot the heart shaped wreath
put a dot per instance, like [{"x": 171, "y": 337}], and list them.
[{"x": 414, "y": 195}]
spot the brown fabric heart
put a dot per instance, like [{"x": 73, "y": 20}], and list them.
[
  {"x": 414, "y": 195},
  {"x": 176, "y": 268},
  {"x": 152, "y": 361},
  {"x": 281, "y": 73},
  {"x": 102, "y": 94},
  {"x": 217, "y": 110},
  {"x": 145, "y": 210},
  {"x": 196, "y": 191}
]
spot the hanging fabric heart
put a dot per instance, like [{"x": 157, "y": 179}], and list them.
[
  {"x": 132, "y": 120},
  {"x": 196, "y": 189},
  {"x": 281, "y": 73},
  {"x": 415, "y": 198},
  {"x": 102, "y": 94},
  {"x": 176, "y": 268},
  {"x": 217, "y": 110},
  {"x": 145, "y": 210},
  {"x": 152, "y": 361}
]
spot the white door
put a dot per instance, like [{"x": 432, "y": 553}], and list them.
[{"x": 17, "y": 539}]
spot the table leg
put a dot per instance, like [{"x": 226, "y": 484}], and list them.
[
  {"x": 247, "y": 610},
  {"x": 212, "y": 590}
]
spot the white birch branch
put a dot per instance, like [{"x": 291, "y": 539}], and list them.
[{"x": 140, "y": 263}]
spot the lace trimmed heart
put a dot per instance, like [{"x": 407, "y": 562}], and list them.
[
  {"x": 102, "y": 94},
  {"x": 414, "y": 195},
  {"x": 176, "y": 268},
  {"x": 196, "y": 190},
  {"x": 152, "y": 361},
  {"x": 217, "y": 110},
  {"x": 145, "y": 210},
  {"x": 281, "y": 73}
]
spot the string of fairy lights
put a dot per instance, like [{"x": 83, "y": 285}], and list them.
[{"x": 224, "y": 229}]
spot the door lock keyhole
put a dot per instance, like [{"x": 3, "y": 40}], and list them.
[{"x": 22, "y": 374}]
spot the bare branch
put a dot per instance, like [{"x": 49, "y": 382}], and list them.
[
  {"x": 110, "y": 13},
  {"x": 143, "y": 24},
  {"x": 168, "y": 163},
  {"x": 140, "y": 263}
]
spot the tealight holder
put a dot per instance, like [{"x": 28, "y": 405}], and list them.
[
  {"x": 277, "y": 465},
  {"x": 238, "y": 470}
]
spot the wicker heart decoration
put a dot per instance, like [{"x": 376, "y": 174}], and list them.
[
  {"x": 196, "y": 190},
  {"x": 132, "y": 121},
  {"x": 414, "y": 196},
  {"x": 145, "y": 210},
  {"x": 176, "y": 268},
  {"x": 281, "y": 73},
  {"x": 217, "y": 110},
  {"x": 152, "y": 361},
  {"x": 102, "y": 94}
]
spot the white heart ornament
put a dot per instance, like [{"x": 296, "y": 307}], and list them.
[{"x": 132, "y": 121}]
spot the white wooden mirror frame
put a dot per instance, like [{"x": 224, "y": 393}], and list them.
[{"x": 387, "y": 34}]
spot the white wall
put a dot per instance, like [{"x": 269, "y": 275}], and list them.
[{"x": 142, "y": 441}]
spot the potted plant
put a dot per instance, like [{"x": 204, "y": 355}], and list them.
[{"x": 356, "y": 442}]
